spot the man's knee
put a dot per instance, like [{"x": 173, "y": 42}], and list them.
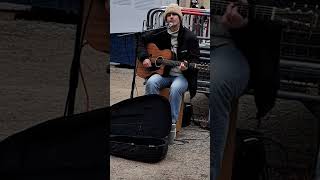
[
  {"x": 153, "y": 82},
  {"x": 178, "y": 88}
]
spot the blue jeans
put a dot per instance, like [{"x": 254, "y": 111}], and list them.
[
  {"x": 178, "y": 85},
  {"x": 229, "y": 78}
]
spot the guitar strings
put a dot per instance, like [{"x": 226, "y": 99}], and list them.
[
  {"x": 257, "y": 6},
  {"x": 264, "y": 10},
  {"x": 241, "y": 5},
  {"x": 263, "y": 6},
  {"x": 257, "y": 11}
]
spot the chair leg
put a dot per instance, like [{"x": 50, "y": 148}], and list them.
[{"x": 179, "y": 122}]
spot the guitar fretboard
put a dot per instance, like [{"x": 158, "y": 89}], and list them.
[
  {"x": 268, "y": 13},
  {"x": 258, "y": 11},
  {"x": 166, "y": 62}
]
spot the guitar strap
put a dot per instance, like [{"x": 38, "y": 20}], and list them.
[{"x": 174, "y": 55}]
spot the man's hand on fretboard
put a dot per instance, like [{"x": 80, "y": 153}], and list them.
[{"x": 232, "y": 19}]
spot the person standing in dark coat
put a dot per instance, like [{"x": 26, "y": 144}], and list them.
[{"x": 244, "y": 55}]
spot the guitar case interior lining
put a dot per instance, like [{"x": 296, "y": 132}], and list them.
[{"x": 139, "y": 128}]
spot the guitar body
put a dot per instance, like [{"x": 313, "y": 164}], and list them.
[
  {"x": 97, "y": 27},
  {"x": 154, "y": 53}
]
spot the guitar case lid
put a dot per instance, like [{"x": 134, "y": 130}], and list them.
[{"x": 148, "y": 116}]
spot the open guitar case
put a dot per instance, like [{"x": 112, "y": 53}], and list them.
[{"x": 140, "y": 127}]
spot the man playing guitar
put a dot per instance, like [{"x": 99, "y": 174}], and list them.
[{"x": 185, "y": 48}]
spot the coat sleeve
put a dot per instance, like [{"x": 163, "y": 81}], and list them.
[
  {"x": 193, "y": 48},
  {"x": 142, "y": 52},
  {"x": 193, "y": 57}
]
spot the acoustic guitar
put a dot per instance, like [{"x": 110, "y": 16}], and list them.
[{"x": 161, "y": 58}]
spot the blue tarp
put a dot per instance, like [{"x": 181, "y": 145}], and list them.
[{"x": 123, "y": 48}]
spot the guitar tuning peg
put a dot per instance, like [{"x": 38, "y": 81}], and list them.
[
  {"x": 305, "y": 8},
  {"x": 290, "y": 7},
  {"x": 287, "y": 9},
  {"x": 310, "y": 11}
]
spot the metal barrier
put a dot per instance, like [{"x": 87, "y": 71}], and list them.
[
  {"x": 300, "y": 45},
  {"x": 300, "y": 64}
]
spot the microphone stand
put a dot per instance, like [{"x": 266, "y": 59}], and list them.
[{"x": 75, "y": 66}]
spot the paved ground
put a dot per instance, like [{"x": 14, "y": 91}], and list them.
[
  {"x": 185, "y": 160},
  {"x": 35, "y": 60},
  {"x": 289, "y": 123}
]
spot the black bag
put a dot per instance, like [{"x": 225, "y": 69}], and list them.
[
  {"x": 187, "y": 114},
  {"x": 72, "y": 147},
  {"x": 250, "y": 156},
  {"x": 139, "y": 128}
]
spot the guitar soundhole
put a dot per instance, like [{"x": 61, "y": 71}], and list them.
[{"x": 158, "y": 61}]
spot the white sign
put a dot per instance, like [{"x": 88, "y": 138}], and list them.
[{"x": 128, "y": 15}]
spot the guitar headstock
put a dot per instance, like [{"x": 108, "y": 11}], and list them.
[{"x": 298, "y": 15}]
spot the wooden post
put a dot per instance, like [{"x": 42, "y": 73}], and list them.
[{"x": 228, "y": 157}]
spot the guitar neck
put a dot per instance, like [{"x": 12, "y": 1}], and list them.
[
  {"x": 258, "y": 11},
  {"x": 166, "y": 62},
  {"x": 173, "y": 63}
]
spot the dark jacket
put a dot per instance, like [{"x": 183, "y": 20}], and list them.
[
  {"x": 188, "y": 49},
  {"x": 260, "y": 43}
]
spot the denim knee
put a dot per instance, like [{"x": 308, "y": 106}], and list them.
[
  {"x": 153, "y": 84},
  {"x": 179, "y": 90}
]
